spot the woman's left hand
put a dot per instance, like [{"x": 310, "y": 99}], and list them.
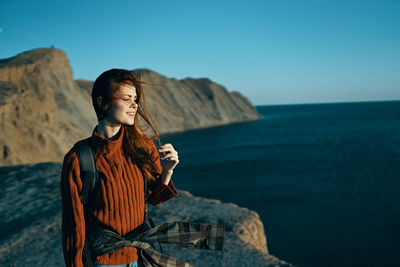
[{"x": 169, "y": 160}]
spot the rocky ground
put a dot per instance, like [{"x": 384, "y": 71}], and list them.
[{"x": 30, "y": 219}]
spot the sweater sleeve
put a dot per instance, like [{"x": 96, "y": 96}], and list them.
[
  {"x": 160, "y": 192},
  {"x": 73, "y": 221}
]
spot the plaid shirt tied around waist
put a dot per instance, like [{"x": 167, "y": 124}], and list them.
[{"x": 183, "y": 234}]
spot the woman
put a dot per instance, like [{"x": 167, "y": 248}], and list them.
[{"x": 123, "y": 156}]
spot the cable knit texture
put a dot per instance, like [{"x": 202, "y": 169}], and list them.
[{"x": 117, "y": 201}]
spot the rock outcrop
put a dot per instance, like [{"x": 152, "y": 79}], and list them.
[
  {"x": 30, "y": 219},
  {"x": 245, "y": 243},
  {"x": 44, "y": 111},
  {"x": 194, "y": 103}
]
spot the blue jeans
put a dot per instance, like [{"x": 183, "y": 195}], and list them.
[{"x": 132, "y": 264}]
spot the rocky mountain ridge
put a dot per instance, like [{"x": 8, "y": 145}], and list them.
[{"x": 44, "y": 111}]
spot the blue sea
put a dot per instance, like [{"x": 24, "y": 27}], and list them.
[{"x": 324, "y": 178}]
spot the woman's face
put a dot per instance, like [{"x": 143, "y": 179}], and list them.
[{"x": 123, "y": 111}]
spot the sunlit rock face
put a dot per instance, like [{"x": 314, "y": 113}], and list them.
[{"x": 44, "y": 111}]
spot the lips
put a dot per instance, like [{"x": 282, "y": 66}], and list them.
[{"x": 131, "y": 113}]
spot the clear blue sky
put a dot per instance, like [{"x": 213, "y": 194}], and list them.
[{"x": 274, "y": 52}]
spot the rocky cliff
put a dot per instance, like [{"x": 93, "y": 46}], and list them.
[
  {"x": 30, "y": 219},
  {"x": 44, "y": 111}
]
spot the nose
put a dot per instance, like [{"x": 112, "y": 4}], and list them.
[{"x": 134, "y": 104}]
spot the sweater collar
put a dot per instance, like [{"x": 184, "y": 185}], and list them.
[{"x": 105, "y": 145}]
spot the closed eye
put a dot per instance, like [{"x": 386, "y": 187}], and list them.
[{"x": 128, "y": 99}]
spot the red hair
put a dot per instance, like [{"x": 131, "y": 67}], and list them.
[{"x": 135, "y": 143}]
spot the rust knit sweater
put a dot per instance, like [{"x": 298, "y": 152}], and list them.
[{"x": 117, "y": 201}]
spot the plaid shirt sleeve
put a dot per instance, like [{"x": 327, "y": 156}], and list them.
[{"x": 183, "y": 234}]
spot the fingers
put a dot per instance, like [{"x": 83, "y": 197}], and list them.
[
  {"x": 169, "y": 153},
  {"x": 170, "y": 157},
  {"x": 168, "y": 148}
]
